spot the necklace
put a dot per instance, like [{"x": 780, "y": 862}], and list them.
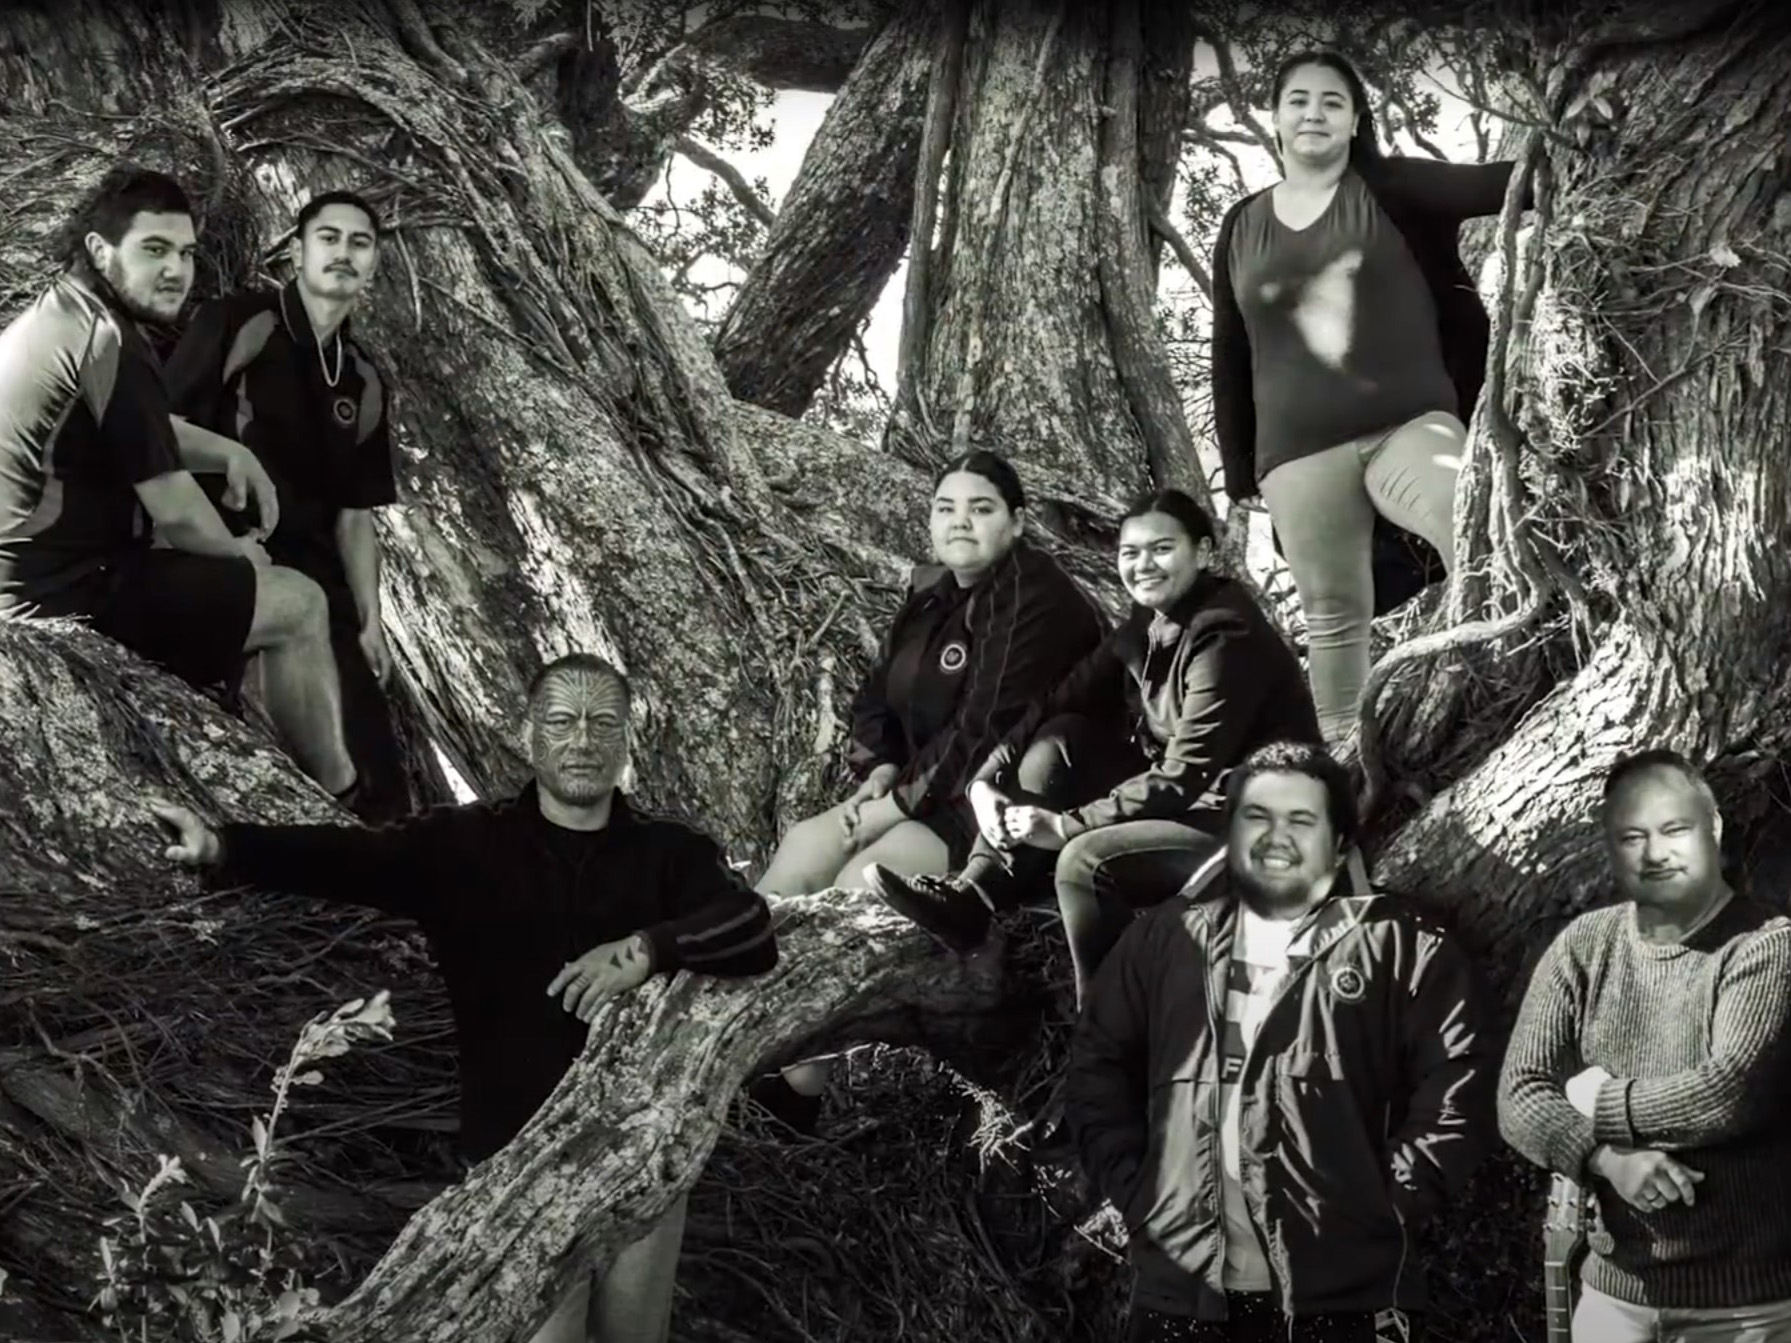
[{"x": 330, "y": 379}]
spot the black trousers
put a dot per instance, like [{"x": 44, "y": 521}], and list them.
[
  {"x": 1256, "y": 1318},
  {"x": 1102, "y": 877}
]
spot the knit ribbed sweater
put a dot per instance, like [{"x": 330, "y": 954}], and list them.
[{"x": 1697, "y": 1039}]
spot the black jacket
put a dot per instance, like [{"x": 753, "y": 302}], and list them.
[
  {"x": 1428, "y": 201},
  {"x": 506, "y": 898},
  {"x": 1198, "y": 687},
  {"x": 960, "y": 667},
  {"x": 1366, "y": 1103}
]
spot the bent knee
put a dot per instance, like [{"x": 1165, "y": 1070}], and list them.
[{"x": 289, "y": 604}]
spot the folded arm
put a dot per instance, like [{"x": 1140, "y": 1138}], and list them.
[
  {"x": 1732, "y": 1092},
  {"x": 716, "y": 924},
  {"x": 1535, "y": 1116}
]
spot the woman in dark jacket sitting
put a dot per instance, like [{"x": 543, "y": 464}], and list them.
[
  {"x": 1115, "y": 780},
  {"x": 994, "y": 625},
  {"x": 1349, "y": 346}
]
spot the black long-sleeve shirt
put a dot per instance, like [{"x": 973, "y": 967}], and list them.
[
  {"x": 506, "y": 898},
  {"x": 960, "y": 667},
  {"x": 1202, "y": 684},
  {"x": 1427, "y": 201}
]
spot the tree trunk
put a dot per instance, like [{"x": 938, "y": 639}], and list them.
[
  {"x": 1662, "y": 489},
  {"x": 840, "y": 231},
  {"x": 577, "y": 474},
  {"x": 1029, "y": 345}
]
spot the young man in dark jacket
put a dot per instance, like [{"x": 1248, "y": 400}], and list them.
[
  {"x": 282, "y": 371},
  {"x": 538, "y": 909},
  {"x": 1652, "y": 1062},
  {"x": 1277, "y": 1082}
]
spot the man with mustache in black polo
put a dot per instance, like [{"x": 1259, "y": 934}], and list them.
[{"x": 281, "y": 372}]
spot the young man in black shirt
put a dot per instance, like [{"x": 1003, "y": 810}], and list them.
[
  {"x": 100, "y": 515},
  {"x": 538, "y": 908},
  {"x": 282, "y": 372}
]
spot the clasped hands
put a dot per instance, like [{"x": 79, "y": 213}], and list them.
[
  {"x": 1645, "y": 1179},
  {"x": 1007, "y": 824},
  {"x": 600, "y": 974}
]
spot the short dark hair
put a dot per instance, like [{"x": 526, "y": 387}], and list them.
[
  {"x": 126, "y": 191},
  {"x": 1627, "y": 767},
  {"x": 992, "y": 467},
  {"x": 1299, "y": 757},
  {"x": 1363, "y": 144},
  {"x": 586, "y": 662},
  {"x": 1177, "y": 504},
  {"x": 318, "y": 203}
]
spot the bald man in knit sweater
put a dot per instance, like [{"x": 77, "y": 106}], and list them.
[{"x": 1650, "y": 1062}]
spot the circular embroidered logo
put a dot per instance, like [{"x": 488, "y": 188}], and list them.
[
  {"x": 344, "y": 409},
  {"x": 953, "y": 657},
  {"x": 1348, "y": 984}
]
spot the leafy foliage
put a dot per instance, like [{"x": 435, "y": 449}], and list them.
[{"x": 237, "y": 1276}]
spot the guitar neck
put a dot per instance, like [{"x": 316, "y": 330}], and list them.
[{"x": 1557, "y": 1300}]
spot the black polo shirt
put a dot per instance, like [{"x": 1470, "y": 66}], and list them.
[
  {"x": 248, "y": 366},
  {"x": 83, "y": 421}
]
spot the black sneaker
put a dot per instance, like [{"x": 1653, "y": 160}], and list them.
[{"x": 946, "y": 907}]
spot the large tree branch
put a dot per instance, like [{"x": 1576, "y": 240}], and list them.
[
  {"x": 1128, "y": 277},
  {"x": 839, "y": 233},
  {"x": 942, "y": 102},
  {"x": 1165, "y": 229},
  {"x": 731, "y": 177},
  {"x": 629, "y": 1128},
  {"x": 782, "y": 53}
]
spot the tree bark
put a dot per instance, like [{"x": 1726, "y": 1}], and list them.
[
  {"x": 841, "y": 230},
  {"x": 1021, "y": 348},
  {"x": 1660, "y": 488},
  {"x": 576, "y": 473}
]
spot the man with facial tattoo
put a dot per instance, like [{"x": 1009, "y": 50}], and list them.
[
  {"x": 1278, "y": 1080},
  {"x": 538, "y": 910}
]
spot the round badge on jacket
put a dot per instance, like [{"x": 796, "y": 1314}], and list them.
[
  {"x": 953, "y": 657},
  {"x": 344, "y": 409},
  {"x": 1348, "y": 983}
]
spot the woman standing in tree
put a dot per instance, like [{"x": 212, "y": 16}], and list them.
[
  {"x": 995, "y": 624},
  {"x": 1349, "y": 346}
]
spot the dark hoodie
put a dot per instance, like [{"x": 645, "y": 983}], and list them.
[
  {"x": 1199, "y": 686},
  {"x": 506, "y": 898},
  {"x": 960, "y": 667}
]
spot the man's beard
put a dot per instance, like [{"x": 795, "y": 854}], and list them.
[
  {"x": 1261, "y": 894},
  {"x": 585, "y": 786},
  {"x": 133, "y": 305}
]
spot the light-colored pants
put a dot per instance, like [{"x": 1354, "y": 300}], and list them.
[
  {"x": 634, "y": 1301},
  {"x": 1604, "y": 1319},
  {"x": 1323, "y": 507}
]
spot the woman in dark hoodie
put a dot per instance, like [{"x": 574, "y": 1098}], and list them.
[
  {"x": 1349, "y": 346},
  {"x": 984, "y": 632},
  {"x": 1114, "y": 781}
]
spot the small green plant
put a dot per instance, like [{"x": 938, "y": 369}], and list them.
[{"x": 237, "y": 1276}]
